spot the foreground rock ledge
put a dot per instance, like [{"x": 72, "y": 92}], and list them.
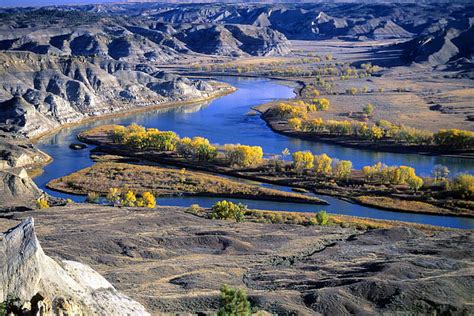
[
  {"x": 67, "y": 287},
  {"x": 175, "y": 262}
]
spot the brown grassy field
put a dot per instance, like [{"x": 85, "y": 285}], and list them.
[{"x": 164, "y": 182}]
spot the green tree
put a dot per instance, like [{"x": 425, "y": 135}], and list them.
[
  {"x": 322, "y": 218},
  {"x": 233, "y": 302}
]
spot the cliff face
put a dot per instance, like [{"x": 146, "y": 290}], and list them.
[
  {"x": 137, "y": 38},
  {"x": 41, "y": 92},
  {"x": 54, "y": 287}
]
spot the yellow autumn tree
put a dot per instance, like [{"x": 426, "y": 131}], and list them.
[
  {"x": 302, "y": 160},
  {"x": 129, "y": 199},
  {"x": 322, "y": 164}
]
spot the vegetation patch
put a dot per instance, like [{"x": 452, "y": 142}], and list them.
[{"x": 101, "y": 177}]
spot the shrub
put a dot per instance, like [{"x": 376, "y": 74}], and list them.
[
  {"x": 11, "y": 306},
  {"x": 93, "y": 197},
  {"x": 243, "y": 155},
  {"x": 290, "y": 110},
  {"x": 322, "y": 104},
  {"x": 228, "y": 211},
  {"x": 138, "y": 137},
  {"x": 233, "y": 302},
  {"x": 129, "y": 199},
  {"x": 148, "y": 200},
  {"x": 352, "y": 91},
  {"x": 42, "y": 203},
  {"x": 322, "y": 218},
  {"x": 194, "y": 208},
  {"x": 368, "y": 109},
  {"x": 113, "y": 196}
]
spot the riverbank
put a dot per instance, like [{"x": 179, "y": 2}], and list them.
[
  {"x": 385, "y": 145},
  {"x": 266, "y": 172},
  {"x": 222, "y": 89},
  {"x": 162, "y": 181}
]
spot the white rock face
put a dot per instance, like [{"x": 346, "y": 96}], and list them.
[{"x": 68, "y": 287}]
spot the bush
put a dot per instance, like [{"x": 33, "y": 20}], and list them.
[
  {"x": 322, "y": 218},
  {"x": 93, "y": 197},
  {"x": 42, "y": 203},
  {"x": 233, "y": 302},
  {"x": 321, "y": 104},
  {"x": 148, "y": 200},
  {"x": 114, "y": 196},
  {"x": 368, "y": 109},
  {"x": 454, "y": 137},
  {"x": 129, "y": 199},
  {"x": 194, "y": 208},
  {"x": 295, "y": 123},
  {"x": 11, "y": 306},
  {"x": 228, "y": 211},
  {"x": 138, "y": 137}
]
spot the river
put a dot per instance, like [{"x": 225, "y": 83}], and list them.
[{"x": 225, "y": 120}]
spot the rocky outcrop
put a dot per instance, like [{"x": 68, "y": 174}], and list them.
[
  {"x": 450, "y": 47},
  {"x": 17, "y": 152},
  {"x": 50, "y": 287},
  {"x": 235, "y": 40},
  {"x": 351, "y": 20},
  {"x": 17, "y": 190},
  {"x": 40, "y": 92},
  {"x": 133, "y": 40},
  {"x": 175, "y": 262}
]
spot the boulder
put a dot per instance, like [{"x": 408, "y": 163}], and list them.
[{"x": 50, "y": 287}]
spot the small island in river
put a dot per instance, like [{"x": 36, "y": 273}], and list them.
[{"x": 391, "y": 188}]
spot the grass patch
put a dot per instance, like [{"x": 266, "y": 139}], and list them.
[{"x": 164, "y": 182}]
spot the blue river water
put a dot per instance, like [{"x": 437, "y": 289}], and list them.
[{"x": 226, "y": 120}]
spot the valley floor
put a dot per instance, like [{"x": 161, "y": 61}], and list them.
[{"x": 173, "y": 261}]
